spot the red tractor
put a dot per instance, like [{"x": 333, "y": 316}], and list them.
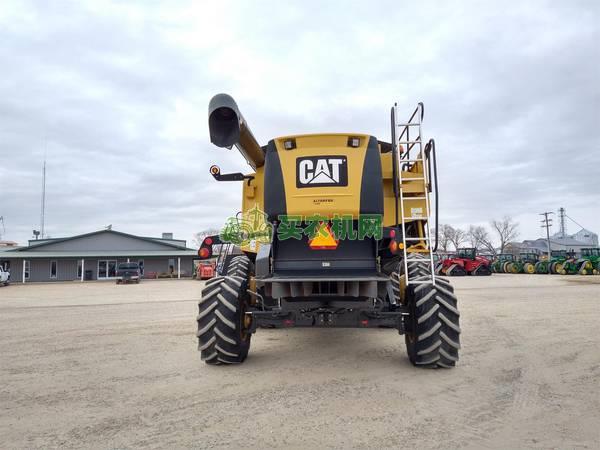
[{"x": 465, "y": 262}]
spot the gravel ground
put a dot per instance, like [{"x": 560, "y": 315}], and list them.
[{"x": 97, "y": 365}]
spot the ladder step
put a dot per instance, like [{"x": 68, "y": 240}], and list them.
[
  {"x": 411, "y": 179},
  {"x": 409, "y": 124},
  {"x": 420, "y": 197},
  {"x": 417, "y": 239},
  {"x": 431, "y": 281},
  {"x": 411, "y": 160},
  {"x": 416, "y": 218},
  {"x": 409, "y": 142}
]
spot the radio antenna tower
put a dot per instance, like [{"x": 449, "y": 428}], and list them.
[{"x": 43, "y": 209}]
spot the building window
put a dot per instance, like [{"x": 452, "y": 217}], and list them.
[
  {"x": 171, "y": 265},
  {"x": 53, "y": 269},
  {"x": 79, "y": 268},
  {"x": 141, "y": 264},
  {"x": 27, "y": 268}
]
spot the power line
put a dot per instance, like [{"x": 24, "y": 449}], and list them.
[{"x": 579, "y": 225}]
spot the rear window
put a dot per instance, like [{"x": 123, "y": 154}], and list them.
[{"x": 125, "y": 266}]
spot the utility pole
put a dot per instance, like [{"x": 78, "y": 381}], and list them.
[{"x": 547, "y": 223}]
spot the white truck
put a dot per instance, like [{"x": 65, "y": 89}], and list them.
[{"x": 4, "y": 277}]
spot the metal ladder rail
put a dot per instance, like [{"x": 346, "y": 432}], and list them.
[{"x": 421, "y": 158}]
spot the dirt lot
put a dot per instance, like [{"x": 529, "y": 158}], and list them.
[{"x": 100, "y": 365}]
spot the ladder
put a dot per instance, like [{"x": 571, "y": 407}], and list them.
[{"x": 413, "y": 124}]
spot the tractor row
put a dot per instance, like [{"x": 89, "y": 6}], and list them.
[
  {"x": 466, "y": 261},
  {"x": 560, "y": 262}
]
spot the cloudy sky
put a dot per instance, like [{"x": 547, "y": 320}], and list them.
[{"x": 116, "y": 95}]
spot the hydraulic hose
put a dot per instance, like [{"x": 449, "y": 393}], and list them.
[{"x": 430, "y": 150}]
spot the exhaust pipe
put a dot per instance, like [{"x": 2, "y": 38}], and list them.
[{"x": 228, "y": 128}]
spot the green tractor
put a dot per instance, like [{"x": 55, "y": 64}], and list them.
[
  {"x": 501, "y": 263},
  {"x": 554, "y": 265},
  {"x": 524, "y": 264},
  {"x": 588, "y": 264},
  {"x": 593, "y": 254}
]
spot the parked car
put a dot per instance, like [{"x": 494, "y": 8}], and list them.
[
  {"x": 127, "y": 272},
  {"x": 4, "y": 277}
]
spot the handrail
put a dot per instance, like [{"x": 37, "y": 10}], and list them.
[
  {"x": 420, "y": 108},
  {"x": 395, "y": 167}
]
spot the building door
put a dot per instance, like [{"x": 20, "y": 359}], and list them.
[{"x": 107, "y": 269}]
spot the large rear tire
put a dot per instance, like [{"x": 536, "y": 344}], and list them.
[
  {"x": 585, "y": 268},
  {"x": 432, "y": 327},
  {"x": 222, "y": 335},
  {"x": 539, "y": 268}
]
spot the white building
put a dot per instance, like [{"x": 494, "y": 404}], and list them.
[{"x": 586, "y": 236}]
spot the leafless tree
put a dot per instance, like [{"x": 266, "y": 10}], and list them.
[
  {"x": 506, "y": 229},
  {"x": 455, "y": 236},
  {"x": 444, "y": 237},
  {"x": 200, "y": 235},
  {"x": 480, "y": 239}
]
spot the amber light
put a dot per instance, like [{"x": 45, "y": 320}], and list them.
[
  {"x": 204, "y": 252},
  {"x": 393, "y": 246}
]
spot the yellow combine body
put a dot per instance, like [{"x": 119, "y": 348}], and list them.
[{"x": 333, "y": 231}]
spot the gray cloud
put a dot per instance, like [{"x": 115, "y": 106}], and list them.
[{"x": 116, "y": 94}]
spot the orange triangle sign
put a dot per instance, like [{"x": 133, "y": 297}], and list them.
[{"x": 324, "y": 239}]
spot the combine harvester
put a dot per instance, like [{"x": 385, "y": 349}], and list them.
[
  {"x": 319, "y": 267},
  {"x": 465, "y": 262}
]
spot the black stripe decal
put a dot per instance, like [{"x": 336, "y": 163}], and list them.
[
  {"x": 371, "y": 188},
  {"x": 274, "y": 188}
]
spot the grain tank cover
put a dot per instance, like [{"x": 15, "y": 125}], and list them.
[{"x": 324, "y": 174}]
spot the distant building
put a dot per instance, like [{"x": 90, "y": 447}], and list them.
[
  {"x": 95, "y": 256},
  {"x": 5, "y": 244},
  {"x": 588, "y": 237},
  {"x": 540, "y": 246}
]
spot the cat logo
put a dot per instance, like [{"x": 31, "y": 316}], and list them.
[{"x": 321, "y": 171}]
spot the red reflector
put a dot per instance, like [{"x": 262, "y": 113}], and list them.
[
  {"x": 393, "y": 246},
  {"x": 288, "y": 322},
  {"x": 392, "y": 234},
  {"x": 208, "y": 241},
  {"x": 364, "y": 323},
  {"x": 204, "y": 252}
]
